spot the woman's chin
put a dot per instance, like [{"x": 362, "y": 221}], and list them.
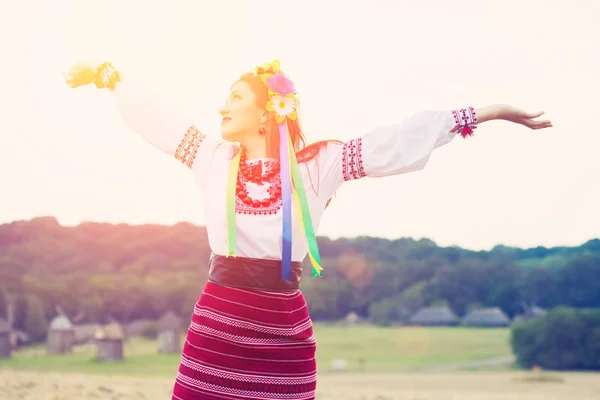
[
  {"x": 231, "y": 135},
  {"x": 227, "y": 135}
]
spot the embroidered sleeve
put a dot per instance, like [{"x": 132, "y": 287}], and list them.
[
  {"x": 352, "y": 160},
  {"x": 387, "y": 150},
  {"x": 166, "y": 125},
  {"x": 187, "y": 150}
]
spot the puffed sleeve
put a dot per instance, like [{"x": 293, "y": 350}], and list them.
[
  {"x": 167, "y": 125},
  {"x": 387, "y": 150}
]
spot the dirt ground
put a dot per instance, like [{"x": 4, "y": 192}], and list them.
[{"x": 423, "y": 386}]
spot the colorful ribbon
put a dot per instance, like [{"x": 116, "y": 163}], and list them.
[
  {"x": 231, "y": 185},
  {"x": 304, "y": 215},
  {"x": 291, "y": 187},
  {"x": 286, "y": 198}
]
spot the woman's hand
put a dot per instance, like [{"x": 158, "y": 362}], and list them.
[
  {"x": 82, "y": 73},
  {"x": 513, "y": 114}
]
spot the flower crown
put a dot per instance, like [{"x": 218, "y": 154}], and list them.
[{"x": 282, "y": 95}]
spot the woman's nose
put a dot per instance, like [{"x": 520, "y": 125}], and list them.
[{"x": 224, "y": 110}]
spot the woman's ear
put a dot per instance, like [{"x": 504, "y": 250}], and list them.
[{"x": 264, "y": 117}]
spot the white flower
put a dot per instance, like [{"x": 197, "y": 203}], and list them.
[{"x": 283, "y": 106}]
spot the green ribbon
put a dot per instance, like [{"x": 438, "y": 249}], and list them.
[
  {"x": 231, "y": 185},
  {"x": 304, "y": 214}
]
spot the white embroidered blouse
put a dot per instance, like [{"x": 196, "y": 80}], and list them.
[{"x": 387, "y": 150}]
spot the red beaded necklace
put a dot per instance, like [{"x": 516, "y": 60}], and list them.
[{"x": 255, "y": 174}]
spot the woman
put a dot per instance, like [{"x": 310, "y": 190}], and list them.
[{"x": 251, "y": 335}]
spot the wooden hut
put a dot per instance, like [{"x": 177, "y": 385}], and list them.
[
  {"x": 169, "y": 333},
  {"x": 434, "y": 316},
  {"x": 487, "y": 317},
  {"x": 5, "y": 343},
  {"x": 109, "y": 342},
  {"x": 61, "y": 336}
]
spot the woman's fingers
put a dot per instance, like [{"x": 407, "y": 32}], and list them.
[{"x": 538, "y": 124}]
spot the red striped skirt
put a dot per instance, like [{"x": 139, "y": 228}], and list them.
[{"x": 244, "y": 344}]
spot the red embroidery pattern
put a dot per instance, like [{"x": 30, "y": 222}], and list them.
[
  {"x": 188, "y": 147},
  {"x": 466, "y": 121},
  {"x": 352, "y": 160},
  {"x": 273, "y": 189}
]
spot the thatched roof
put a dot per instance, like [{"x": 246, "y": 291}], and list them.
[
  {"x": 61, "y": 323},
  {"x": 112, "y": 331},
  {"x": 440, "y": 315},
  {"x": 4, "y": 326},
  {"x": 168, "y": 322},
  {"x": 487, "y": 317}
]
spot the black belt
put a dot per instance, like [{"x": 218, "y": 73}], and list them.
[{"x": 253, "y": 273}]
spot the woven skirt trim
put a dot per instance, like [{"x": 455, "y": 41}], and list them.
[{"x": 244, "y": 344}]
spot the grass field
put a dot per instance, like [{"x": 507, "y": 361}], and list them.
[
  {"x": 394, "y": 349},
  {"x": 390, "y": 353},
  {"x": 408, "y": 348}
]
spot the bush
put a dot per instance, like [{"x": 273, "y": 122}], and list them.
[{"x": 563, "y": 339}]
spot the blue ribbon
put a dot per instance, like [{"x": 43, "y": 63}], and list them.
[{"x": 286, "y": 197}]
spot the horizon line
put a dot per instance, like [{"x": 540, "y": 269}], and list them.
[{"x": 51, "y": 217}]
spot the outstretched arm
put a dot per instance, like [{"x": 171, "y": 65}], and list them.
[
  {"x": 512, "y": 114},
  {"x": 162, "y": 122},
  {"x": 407, "y": 146}
]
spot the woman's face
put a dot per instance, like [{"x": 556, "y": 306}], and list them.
[{"x": 241, "y": 115}]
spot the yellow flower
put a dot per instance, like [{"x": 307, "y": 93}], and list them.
[
  {"x": 273, "y": 65},
  {"x": 269, "y": 68}
]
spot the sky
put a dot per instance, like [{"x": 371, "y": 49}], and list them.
[{"x": 356, "y": 65}]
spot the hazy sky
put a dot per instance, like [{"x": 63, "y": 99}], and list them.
[{"x": 356, "y": 65}]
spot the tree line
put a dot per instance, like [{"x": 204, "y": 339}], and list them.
[{"x": 96, "y": 272}]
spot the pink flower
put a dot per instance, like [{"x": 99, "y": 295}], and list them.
[{"x": 279, "y": 83}]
